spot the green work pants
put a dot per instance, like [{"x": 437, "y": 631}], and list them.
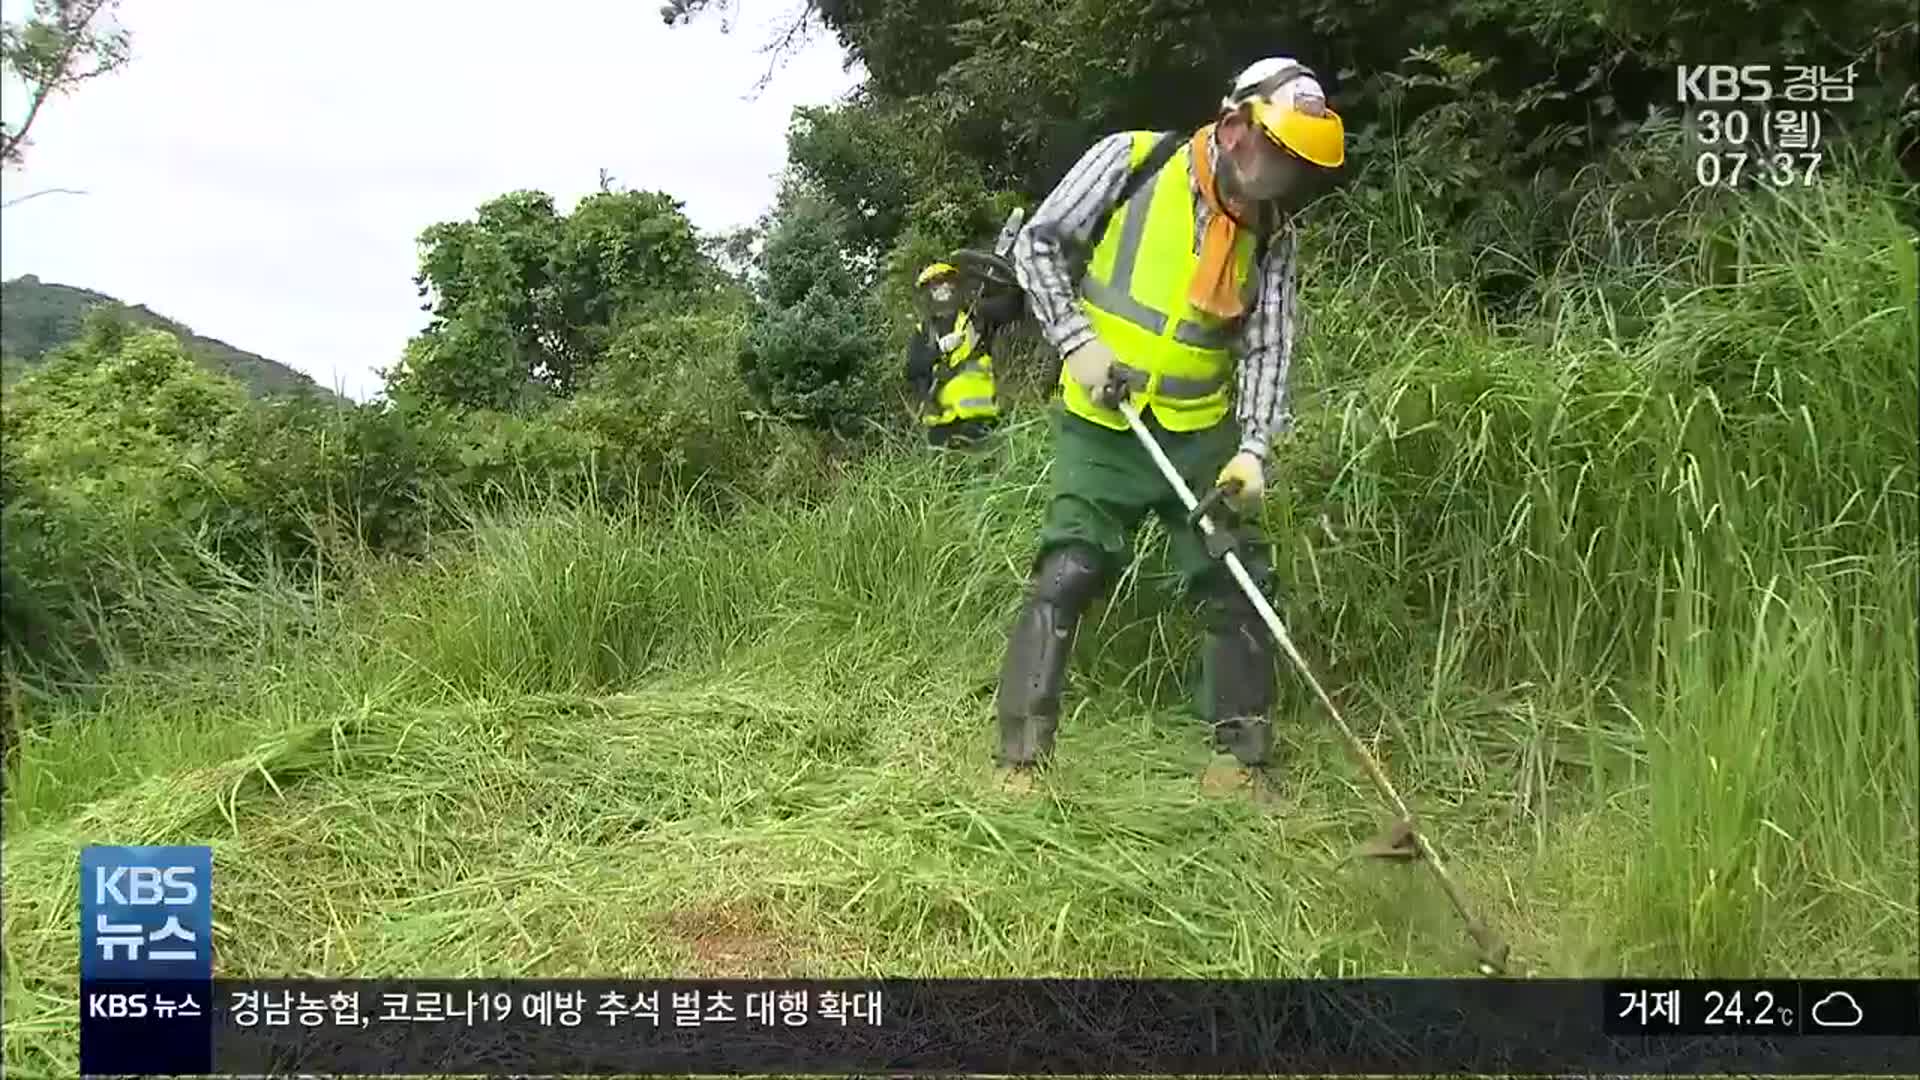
[{"x": 1104, "y": 485}]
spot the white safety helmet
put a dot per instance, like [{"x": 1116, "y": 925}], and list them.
[{"x": 1288, "y": 103}]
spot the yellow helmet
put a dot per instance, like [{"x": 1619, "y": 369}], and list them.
[
  {"x": 1287, "y": 102},
  {"x": 937, "y": 270}
]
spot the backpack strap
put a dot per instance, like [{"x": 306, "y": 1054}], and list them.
[{"x": 1156, "y": 159}]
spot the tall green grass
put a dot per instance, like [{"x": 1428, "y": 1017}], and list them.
[
  {"x": 1690, "y": 545},
  {"x": 1627, "y": 607}
]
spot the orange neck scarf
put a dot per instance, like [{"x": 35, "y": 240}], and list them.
[{"x": 1213, "y": 290}]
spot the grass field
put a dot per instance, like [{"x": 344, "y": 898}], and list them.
[{"x": 1628, "y": 615}]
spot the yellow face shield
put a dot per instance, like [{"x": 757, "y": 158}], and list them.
[{"x": 1311, "y": 130}]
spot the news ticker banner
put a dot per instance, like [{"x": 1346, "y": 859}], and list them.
[
  {"x": 1095, "y": 1027},
  {"x": 149, "y": 1005}
]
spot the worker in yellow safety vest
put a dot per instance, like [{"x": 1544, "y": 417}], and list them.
[
  {"x": 1168, "y": 261},
  {"x": 950, "y": 364}
]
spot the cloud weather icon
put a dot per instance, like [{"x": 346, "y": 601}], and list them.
[{"x": 1837, "y": 1009}]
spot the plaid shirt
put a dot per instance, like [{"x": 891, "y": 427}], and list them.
[{"x": 1065, "y": 222}]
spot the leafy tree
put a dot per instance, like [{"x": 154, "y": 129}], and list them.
[
  {"x": 62, "y": 44},
  {"x": 524, "y": 300}
]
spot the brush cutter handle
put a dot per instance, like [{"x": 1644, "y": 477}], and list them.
[{"x": 1216, "y": 498}]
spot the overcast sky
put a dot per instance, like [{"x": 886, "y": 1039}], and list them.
[{"x": 260, "y": 169}]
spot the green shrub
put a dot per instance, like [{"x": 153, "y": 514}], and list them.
[
  {"x": 815, "y": 349},
  {"x": 114, "y": 460},
  {"x": 665, "y": 403}
]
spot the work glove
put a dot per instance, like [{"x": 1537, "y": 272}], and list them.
[
  {"x": 1090, "y": 365},
  {"x": 950, "y": 342},
  {"x": 1249, "y": 472}
]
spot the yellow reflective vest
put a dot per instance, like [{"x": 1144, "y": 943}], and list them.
[
  {"x": 963, "y": 381},
  {"x": 1135, "y": 293}
]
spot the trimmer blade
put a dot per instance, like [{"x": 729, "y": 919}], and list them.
[{"x": 1396, "y": 842}]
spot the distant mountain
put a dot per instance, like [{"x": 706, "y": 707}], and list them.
[{"x": 37, "y": 317}]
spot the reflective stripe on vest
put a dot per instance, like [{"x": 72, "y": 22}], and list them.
[
  {"x": 1176, "y": 358},
  {"x": 1116, "y": 296},
  {"x": 971, "y": 401},
  {"x": 1171, "y": 386}
]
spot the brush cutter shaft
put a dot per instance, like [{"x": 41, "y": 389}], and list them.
[
  {"x": 1493, "y": 951},
  {"x": 1257, "y": 599}
]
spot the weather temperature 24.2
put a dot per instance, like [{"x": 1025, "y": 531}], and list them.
[
  {"x": 1750, "y": 1009},
  {"x": 1689, "y": 1007}
]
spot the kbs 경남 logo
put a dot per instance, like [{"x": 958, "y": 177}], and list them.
[
  {"x": 1761, "y": 84},
  {"x": 146, "y": 913}
]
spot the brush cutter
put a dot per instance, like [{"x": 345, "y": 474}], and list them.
[
  {"x": 996, "y": 285},
  {"x": 1402, "y": 840}
]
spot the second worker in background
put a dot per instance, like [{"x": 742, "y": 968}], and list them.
[{"x": 950, "y": 362}]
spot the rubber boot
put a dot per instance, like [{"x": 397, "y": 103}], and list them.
[
  {"x": 1034, "y": 672},
  {"x": 1240, "y": 686}
]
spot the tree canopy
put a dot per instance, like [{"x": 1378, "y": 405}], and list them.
[
  {"x": 972, "y": 98},
  {"x": 524, "y": 299}
]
